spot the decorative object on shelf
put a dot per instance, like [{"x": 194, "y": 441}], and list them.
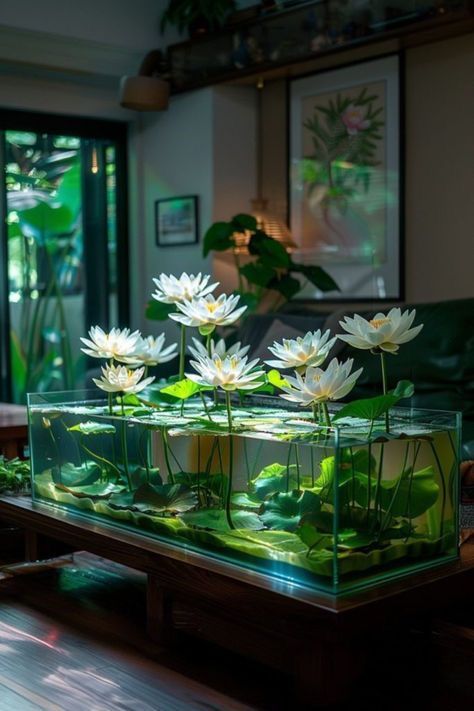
[
  {"x": 345, "y": 177},
  {"x": 305, "y": 32},
  {"x": 149, "y": 91},
  {"x": 197, "y": 16},
  {"x": 177, "y": 221},
  {"x": 326, "y": 497},
  {"x": 271, "y": 268}
]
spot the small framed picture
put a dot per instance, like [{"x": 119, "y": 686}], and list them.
[{"x": 176, "y": 221}]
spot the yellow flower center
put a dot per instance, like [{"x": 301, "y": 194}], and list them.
[
  {"x": 211, "y": 306},
  {"x": 379, "y": 322}
]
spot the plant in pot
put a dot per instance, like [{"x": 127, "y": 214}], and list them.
[{"x": 198, "y": 16}]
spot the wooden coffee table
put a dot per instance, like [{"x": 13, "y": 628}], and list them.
[
  {"x": 321, "y": 640},
  {"x": 13, "y": 430}
]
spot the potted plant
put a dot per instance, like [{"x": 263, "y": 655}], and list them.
[{"x": 198, "y": 16}]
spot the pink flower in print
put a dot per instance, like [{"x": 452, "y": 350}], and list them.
[{"x": 354, "y": 120}]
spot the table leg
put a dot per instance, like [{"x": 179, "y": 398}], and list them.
[{"x": 31, "y": 545}]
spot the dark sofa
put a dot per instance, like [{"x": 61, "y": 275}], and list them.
[{"x": 440, "y": 361}]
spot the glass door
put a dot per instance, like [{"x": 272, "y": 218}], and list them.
[{"x": 62, "y": 237}]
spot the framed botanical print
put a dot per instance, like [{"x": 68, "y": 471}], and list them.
[{"x": 345, "y": 169}]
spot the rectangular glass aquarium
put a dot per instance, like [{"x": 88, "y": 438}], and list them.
[{"x": 333, "y": 509}]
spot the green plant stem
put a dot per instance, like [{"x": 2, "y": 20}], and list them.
[
  {"x": 199, "y": 469},
  {"x": 297, "y": 461},
  {"x": 123, "y": 434},
  {"x": 327, "y": 418},
  {"x": 231, "y": 460},
  {"x": 384, "y": 387},
  {"x": 110, "y": 403},
  {"x": 247, "y": 463},
  {"x": 166, "y": 454},
  {"x": 182, "y": 351},
  {"x": 288, "y": 460},
  {"x": 443, "y": 488},
  {"x": 311, "y": 454},
  {"x": 395, "y": 493},
  {"x": 377, "y": 509},
  {"x": 101, "y": 459},
  {"x": 203, "y": 399}
]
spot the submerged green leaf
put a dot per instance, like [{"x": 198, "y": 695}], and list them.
[
  {"x": 284, "y": 511},
  {"x": 92, "y": 428},
  {"x": 274, "y": 478},
  {"x": 173, "y": 498},
  {"x": 410, "y": 494},
  {"x": 100, "y": 490},
  {"x": 216, "y": 520}
]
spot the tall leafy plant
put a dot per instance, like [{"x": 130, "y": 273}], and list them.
[
  {"x": 271, "y": 268},
  {"x": 45, "y": 249}
]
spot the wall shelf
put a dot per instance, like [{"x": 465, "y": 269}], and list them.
[{"x": 292, "y": 42}]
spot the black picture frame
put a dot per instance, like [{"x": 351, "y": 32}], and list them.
[
  {"x": 396, "y": 241},
  {"x": 177, "y": 221}
]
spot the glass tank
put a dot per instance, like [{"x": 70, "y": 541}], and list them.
[{"x": 262, "y": 486}]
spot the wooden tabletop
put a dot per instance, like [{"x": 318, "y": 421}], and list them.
[{"x": 12, "y": 415}]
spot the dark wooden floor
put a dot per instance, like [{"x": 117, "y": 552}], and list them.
[{"x": 72, "y": 637}]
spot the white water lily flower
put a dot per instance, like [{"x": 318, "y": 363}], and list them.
[
  {"x": 115, "y": 344},
  {"x": 302, "y": 352},
  {"x": 208, "y": 312},
  {"x": 150, "y": 351},
  {"x": 173, "y": 290},
  {"x": 318, "y": 385},
  {"x": 384, "y": 332},
  {"x": 217, "y": 348},
  {"x": 120, "y": 379},
  {"x": 229, "y": 373}
]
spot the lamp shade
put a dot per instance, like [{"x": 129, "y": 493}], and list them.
[{"x": 143, "y": 93}]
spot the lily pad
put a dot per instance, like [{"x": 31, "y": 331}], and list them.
[
  {"x": 410, "y": 495},
  {"x": 77, "y": 475},
  {"x": 172, "y": 498},
  {"x": 243, "y": 500},
  {"x": 273, "y": 479},
  {"x": 283, "y": 512},
  {"x": 216, "y": 520},
  {"x": 93, "y": 491}
]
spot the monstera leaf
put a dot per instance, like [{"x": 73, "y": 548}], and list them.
[
  {"x": 170, "y": 498},
  {"x": 283, "y": 512}
]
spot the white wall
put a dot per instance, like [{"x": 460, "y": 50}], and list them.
[
  {"x": 172, "y": 155},
  {"x": 440, "y": 170},
  {"x": 128, "y": 23}
]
